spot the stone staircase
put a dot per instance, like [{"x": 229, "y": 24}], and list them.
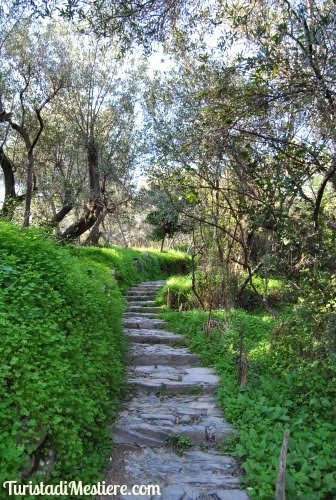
[{"x": 171, "y": 403}]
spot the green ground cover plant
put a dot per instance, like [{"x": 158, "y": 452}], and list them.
[
  {"x": 180, "y": 290},
  {"x": 284, "y": 390},
  {"x": 61, "y": 357},
  {"x": 62, "y": 351}
]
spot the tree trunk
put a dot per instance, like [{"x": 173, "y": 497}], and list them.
[
  {"x": 95, "y": 204},
  {"x": 67, "y": 206},
  {"x": 62, "y": 213},
  {"x": 85, "y": 222},
  {"x": 95, "y": 233},
  {"x": 162, "y": 243},
  {"x": 10, "y": 194},
  {"x": 29, "y": 189}
]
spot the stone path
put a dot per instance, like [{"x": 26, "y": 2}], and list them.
[{"x": 171, "y": 402}]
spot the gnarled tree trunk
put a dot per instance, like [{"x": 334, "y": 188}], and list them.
[
  {"x": 95, "y": 204},
  {"x": 11, "y": 198}
]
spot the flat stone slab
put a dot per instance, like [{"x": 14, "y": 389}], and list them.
[
  {"x": 179, "y": 406},
  {"x": 156, "y": 283},
  {"x": 143, "y": 323},
  {"x": 140, "y": 298},
  {"x": 193, "y": 475},
  {"x": 151, "y": 420},
  {"x": 173, "y": 380},
  {"x": 153, "y": 336},
  {"x": 141, "y": 303},
  {"x": 144, "y": 309},
  {"x": 147, "y": 286},
  {"x": 130, "y": 314},
  {"x": 161, "y": 354}
]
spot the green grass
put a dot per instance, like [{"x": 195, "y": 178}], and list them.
[
  {"x": 62, "y": 349},
  {"x": 280, "y": 394}
]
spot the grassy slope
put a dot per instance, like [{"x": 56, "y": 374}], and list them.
[
  {"x": 61, "y": 350},
  {"x": 132, "y": 265},
  {"x": 282, "y": 392}
]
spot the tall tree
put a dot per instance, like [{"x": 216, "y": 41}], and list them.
[
  {"x": 36, "y": 70},
  {"x": 100, "y": 107}
]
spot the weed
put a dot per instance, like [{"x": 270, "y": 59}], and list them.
[
  {"x": 230, "y": 443},
  {"x": 179, "y": 443},
  {"x": 161, "y": 391},
  {"x": 180, "y": 343},
  {"x": 196, "y": 389}
]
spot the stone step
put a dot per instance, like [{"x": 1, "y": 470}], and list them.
[
  {"x": 152, "y": 420},
  {"x": 143, "y": 322},
  {"x": 140, "y": 298},
  {"x": 194, "y": 475},
  {"x": 153, "y": 336},
  {"x": 137, "y": 308},
  {"x": 148, "y": 286},
  {"x": 153, "y": 283},
  {"x": 142, "y": 303},
  {"x": 152, "y": 290},
  {"x": 164, "y": 380},
  {"x": 130, "y": 314},
  {"x": 160, "y": 354}
]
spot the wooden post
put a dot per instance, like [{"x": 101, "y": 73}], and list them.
[
  {"x": 243, "y": 368},
  {"x": 280, "y": 489},
  {"x": 242, "y": 358},
  {"x": 169, "y": 302},
  {"x": 179, "y": 299}
]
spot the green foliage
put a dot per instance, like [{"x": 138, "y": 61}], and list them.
[
  {"x": 163, "y": 215},
  {"x": 61, "y": 355},
  {"x": 180, "y": 291},
  {"x": 278, "y": 292},
  {"x": 164, "y": 224},
  {"x": 284, "y": 390}
]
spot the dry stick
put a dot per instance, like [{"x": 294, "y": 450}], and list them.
[{"x": 280, "y": 489}]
